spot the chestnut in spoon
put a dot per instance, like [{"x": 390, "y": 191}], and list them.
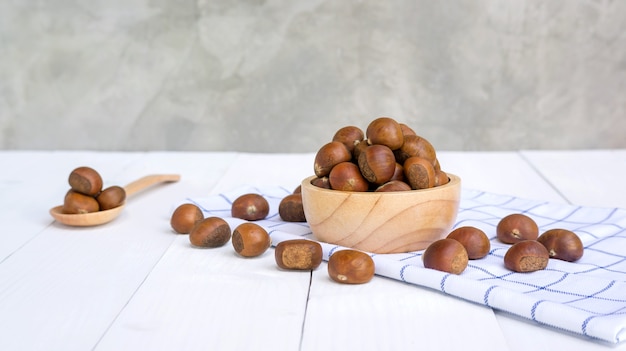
[{"x": 101, "y": 217}]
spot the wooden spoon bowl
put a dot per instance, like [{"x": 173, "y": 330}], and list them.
[{"x": 101, "y": 217}]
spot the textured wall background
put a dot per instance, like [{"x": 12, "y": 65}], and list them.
[{"x": 282, "y": 76}]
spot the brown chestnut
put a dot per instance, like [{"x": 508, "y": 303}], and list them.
[
  {"x": 250, "y": 240},
  {"x": 526, "y": 256},
  {"x": 185, "y": 217},
  {"x": 350, "y": 266},
  {"x": 377, "y": 164},
  {"x": 406, "y": 130},
  {"x": 516, "y": 227},
  {"x": 111, "y": 197},
  {"x": 414, "y": 145},
  {"x": 474, "y": 240},
  {"x": 349, "y": 136},
  {"x": 446, "y": 255},
  {"x": 298, "y": 254},
  {"x": 322, "y": 182},
  {"x": 328, "y": 156},
  {"x": 290, "y": 208},
  {"x": 346, "y": 176},
  {"x": 419, "y": 173},
  {"x": 441, "y": 178},
  {"x": 394, "y": 185},
  {"x": 210, "y": 232},
  {"x": 250, "y": 207},
  {"x": 562, "y": 244},
  {"x": 385, "y": 131},
  {"x": 85, "y": 180},
  {"x": 359, "y": 147},
  {"x": 437, "y": 165},
  {"x": 398, "y": 173},
  {"x": 75, "y": 203}
]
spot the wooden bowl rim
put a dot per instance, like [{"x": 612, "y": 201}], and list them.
[{"x": 454, "y": 182}]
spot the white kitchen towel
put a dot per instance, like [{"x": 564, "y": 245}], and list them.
[{"x": 587, "y": 297}]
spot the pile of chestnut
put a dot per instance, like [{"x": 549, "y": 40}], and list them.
[
  {"x": 528, "y": 252},
  {"x": 87, "y": 195},
  {"x": 389, "y": 156},
  {"x": 251, "y": 240}
]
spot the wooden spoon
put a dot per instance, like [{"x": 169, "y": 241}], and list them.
[{"x": 101, "y": 217}]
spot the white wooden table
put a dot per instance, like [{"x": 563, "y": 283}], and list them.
[{"x": 133, "y": 284}]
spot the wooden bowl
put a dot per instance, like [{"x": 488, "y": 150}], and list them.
[{"x": 382, "y": 222}]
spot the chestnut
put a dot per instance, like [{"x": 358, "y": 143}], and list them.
[
  {"x": 250, "y": 207},
  {"x": 394, "y": 185},
  {"x": 351, "y": 266},
  {"x": 562, "y": 244},
  {"x": 415, "y": 145},
  {"x": 406, "y": 130},
  {"x": 446, "y": 255},
  {"x": 322, "y": 182},
  {"x": 76, "y": 202},
  {"x": 441, "y": 178},
  {"x": 328, "y": 156},
  {"x": 526, "y": 256},
  {"x": 359, "y": 147},
  {"x": 111, "y": 197},
  {"x": 385, "y": 131},
  {"x": 85, "y": 180},
  {"x": 377, "y": 164},
  {"x": 250, "y": 240},
  {"x": 349, "y": 136},
  {"x": 419, "y": 173},
  {"x": 474, "y": 240},
  {"x": 346, "y": 176},
  {"x": 516, "y": 227},
  {"x": 298, "y": 254},
  {"x": 398, "y": 173},
  {"x": 436, "y": 164},
  {"x": 290, "y": 208},
  {"x": 210, "y": 232},
  {"x": 185, "y": 217}
]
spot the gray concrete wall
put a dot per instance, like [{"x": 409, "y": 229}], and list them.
[{"x": 282, "y": 76}]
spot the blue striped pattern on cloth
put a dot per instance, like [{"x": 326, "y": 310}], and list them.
[{"x": 587, "y": 297}]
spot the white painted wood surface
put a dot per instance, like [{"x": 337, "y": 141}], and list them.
[{"x": 133, "y": 284}]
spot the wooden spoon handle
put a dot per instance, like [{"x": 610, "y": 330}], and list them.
[{"x": 148, "y": 181}]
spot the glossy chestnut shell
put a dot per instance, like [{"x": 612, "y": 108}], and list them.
[
  {"x": 290, "y": 208},
  {"x": 347, "y": 176},
  {"x": 250, "y": 207},
  {"x": 250, "y": 240},
  {"x": 349, "y": 136},
  {"x": 329, "y": 155},
  {"x": 419, "y": 173},
  {"x": 210, "y": 232},
  {"x": 351, "y": 267},
  {"x": 562, "y": 244},
  {"x": 447, "y": 255},
  {"x": 377, "y": 164},
  {"x": 474, "y": 240},
  {"x": 185, "y": 217},
  {"x": 516, "y": 227},
  {"x": 85, "y": 180},
  {"x": 385, "y": 131},
  {"x": 526, "y": 256}
]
